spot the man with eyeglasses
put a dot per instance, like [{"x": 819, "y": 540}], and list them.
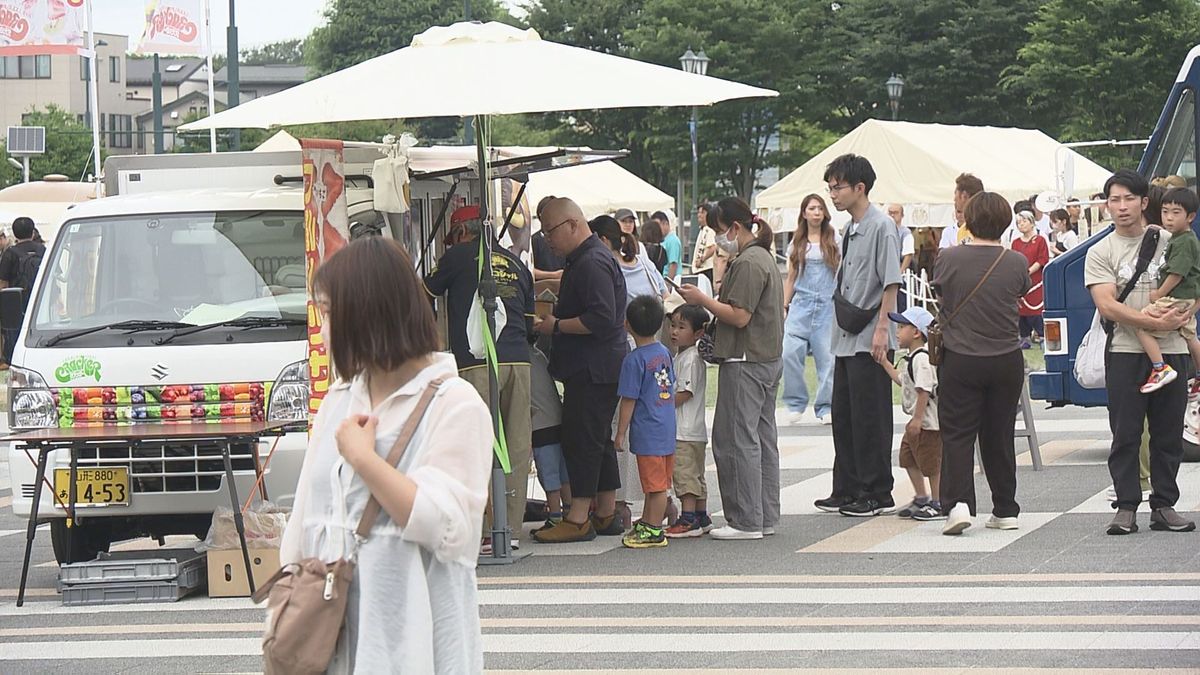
[
  {"x": 867, "y": 280},
  {"x": 588, "y": 332}
]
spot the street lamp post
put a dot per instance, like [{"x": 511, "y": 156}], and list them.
[
  {"x": 696, "y": 64},
  {"x": 895, "y": 89}
]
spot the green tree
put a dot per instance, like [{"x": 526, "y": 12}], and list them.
[
  {"x": 1096, "y": 69},
  {"x": 198, "y": 141},
  {"x": 358, "y": 30},
  {"x": 68, "y": 147},
  {"x": 290, "y": 52}
]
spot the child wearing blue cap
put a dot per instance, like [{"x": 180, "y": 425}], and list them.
[{"x": 921, "y": 446}]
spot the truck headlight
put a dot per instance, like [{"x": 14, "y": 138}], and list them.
[
  {"x": 31, "y": 404},
  {"x": 289, "y": 396}
]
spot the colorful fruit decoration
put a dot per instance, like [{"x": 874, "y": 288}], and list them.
[
  {"x": 138, "y": 412},
  {"x": 137, "y": 396},
  {"x": 109, "y": 414},
  {"x": 197, "y": 412},
  {"x": 124, "y": 413},
  {"x": 109, "y": 395},
  {"x": 123, "y": 397},
  {"x": 227, "y": 410},
  {"x": 243, "y": 410},
  {"x": 154, "y": 412},
  {"x": 256, "y": 391},
  {"x": 241, "y": 392},
  {"x": 212, "y": 393}
]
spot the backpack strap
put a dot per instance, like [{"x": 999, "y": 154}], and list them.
[{"x": 1146, "y": 253}]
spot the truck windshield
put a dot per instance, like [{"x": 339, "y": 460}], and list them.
[
  {"x": 1176, "y": 152},
  {"x": 186, "y": 268}
]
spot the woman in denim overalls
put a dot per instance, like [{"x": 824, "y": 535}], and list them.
[{"x": 808, "y": 300}]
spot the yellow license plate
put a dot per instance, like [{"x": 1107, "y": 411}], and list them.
[{"x": 108, "y": 485}]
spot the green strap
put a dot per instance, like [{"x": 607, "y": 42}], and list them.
[{"x": 499, "y": 443}]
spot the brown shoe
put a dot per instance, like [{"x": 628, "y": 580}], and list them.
[
  {"x": 564, "y": 532},
  {"x": 1167, "y": 520},
  {"x": 608, "y": 527},
  {"x": 1125, "y": 522}
]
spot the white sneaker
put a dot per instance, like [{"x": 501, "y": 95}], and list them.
[
  {"x": 729, "y": 533},
  {"x": 958, "y": 520},
  {"x": 795, "y": 418},
  {"x": 826, "y": 420},
  {"x": 998, "y": 523},
  {"x": 768, "y": 531}
]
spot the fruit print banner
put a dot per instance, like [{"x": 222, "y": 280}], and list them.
[
  {"x": 29, "y": 27},
  {"x": 180, "y": 403},
  {"x": 173, "y": 27},
  {"x": 326, "y": 231}
]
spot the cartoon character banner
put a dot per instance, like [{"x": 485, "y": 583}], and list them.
[
  {"x": 29, "y": 27},
  {"x": 326, "y": 231},
  {"x": 173, "y": 27}
]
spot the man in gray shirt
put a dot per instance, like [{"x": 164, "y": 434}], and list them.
[{"x": 868, "y": 278}]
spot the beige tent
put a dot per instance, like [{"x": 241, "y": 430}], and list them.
[{"x": 916, "y": 165}]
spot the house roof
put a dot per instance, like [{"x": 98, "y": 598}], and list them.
[
  {"x": 174, "y": 70},
  {"x": 268, "y": 74},
  {"x": 197, "y": 98}
]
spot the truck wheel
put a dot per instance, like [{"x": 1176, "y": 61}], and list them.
[
  {"x": 85, "y": 541},
  {"x": 1191, "y": 451}
]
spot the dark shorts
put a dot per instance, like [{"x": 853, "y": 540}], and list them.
[{"x": 587, "y": 415}]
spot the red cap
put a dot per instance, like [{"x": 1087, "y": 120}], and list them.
[{"x": 465, "y": 213}]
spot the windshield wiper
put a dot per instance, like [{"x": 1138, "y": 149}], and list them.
[
  {"x": 245, "y": 323},
  {"x": 133, "y": 326}
]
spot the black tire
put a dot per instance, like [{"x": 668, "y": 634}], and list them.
[
  {"x": 1191, "y": 452},
  {"x": 85, "y": 540}
]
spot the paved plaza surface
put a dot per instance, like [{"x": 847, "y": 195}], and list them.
[{"x": 826, "y": 594}]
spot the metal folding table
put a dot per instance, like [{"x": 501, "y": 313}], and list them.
[{"x": 45, "y": 441}]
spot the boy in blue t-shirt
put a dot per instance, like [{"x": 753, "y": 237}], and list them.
[{"x": 647, "y": 413}]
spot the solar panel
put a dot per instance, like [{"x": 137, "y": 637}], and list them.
[{"x": 26, "y": 141}]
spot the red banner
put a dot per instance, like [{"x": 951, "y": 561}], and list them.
[{"x": 326, "y": 231}]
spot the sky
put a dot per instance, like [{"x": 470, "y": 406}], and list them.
[{"x": 258, "y": 21}]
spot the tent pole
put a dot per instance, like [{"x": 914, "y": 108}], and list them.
[{"x": 501, "y": 540}]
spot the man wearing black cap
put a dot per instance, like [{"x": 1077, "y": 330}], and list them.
[{"x": 457, "y": 277}]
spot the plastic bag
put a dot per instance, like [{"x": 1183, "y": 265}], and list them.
[
  {"x": 264, "y": 524},
  {"x": 1089, "y": 358},
  {"x": 477, "y": 321}
]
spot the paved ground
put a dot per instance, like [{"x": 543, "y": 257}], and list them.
[{"x": 824, "y": 594}]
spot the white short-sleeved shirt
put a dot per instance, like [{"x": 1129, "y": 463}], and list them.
[
  {"x": 907, "y": 246},
  {"x": 923, "y": 378},
  {"x": 690, "y": 376}
]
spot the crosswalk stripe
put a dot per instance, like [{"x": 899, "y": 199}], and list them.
[
  {"x": 634, "y": 622},
  {"x": 974, "y": 595},
  {"x": 689, "y": 642},
  {"x": 750, "y": 579}
]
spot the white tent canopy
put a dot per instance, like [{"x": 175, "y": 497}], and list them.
[
  {"x": 598, "y": 188},
  {"x": 479, "y": 69},
  {"x": 916, "y": 165}
]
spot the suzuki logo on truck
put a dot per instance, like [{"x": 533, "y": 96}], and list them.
[{"x": 159, "y": 371}]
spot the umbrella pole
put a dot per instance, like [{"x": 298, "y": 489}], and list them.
[{"x": 501, "y": 528}]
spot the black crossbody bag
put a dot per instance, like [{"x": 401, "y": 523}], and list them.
[{"x": 850, "y": 317}]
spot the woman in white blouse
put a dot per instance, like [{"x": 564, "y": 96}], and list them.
[{"x": 412, "y": 604}]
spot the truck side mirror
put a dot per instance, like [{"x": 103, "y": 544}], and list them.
[{"x": 12, "y": 307}]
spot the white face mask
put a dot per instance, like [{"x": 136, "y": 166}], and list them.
[{"x": 726, "y": 244}]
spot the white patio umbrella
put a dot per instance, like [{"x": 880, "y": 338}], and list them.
[
  {"x": 442, "y": 75},
  {"x": 480, "y": 69}
]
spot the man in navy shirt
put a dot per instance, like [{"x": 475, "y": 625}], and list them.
[
  {"x": 457, "y": 277},
  {"x": 588, "y": 329}
]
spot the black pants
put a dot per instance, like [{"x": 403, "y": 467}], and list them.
[
  {"x": 862, "y": 429},
  {"x": 1162, "y": 411},
  {"x": 1030, "y": 325},
  {"x": 588, "y": 451},
  {"x": 977, "y": 398}
]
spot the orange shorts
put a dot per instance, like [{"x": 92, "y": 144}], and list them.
[{"x": 656, "y": 472}]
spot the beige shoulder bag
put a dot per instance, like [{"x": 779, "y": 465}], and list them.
[{"x": 306, "y": 601}]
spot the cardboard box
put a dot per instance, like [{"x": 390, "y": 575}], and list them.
[{"x": 227, "y": 571}]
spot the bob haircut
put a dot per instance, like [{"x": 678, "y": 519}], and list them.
[
  {"x": 987, "y": 216},
  {"x": 379, "y": 315}
]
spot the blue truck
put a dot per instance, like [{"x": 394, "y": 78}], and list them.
[{"x": 1172, "y": 150}]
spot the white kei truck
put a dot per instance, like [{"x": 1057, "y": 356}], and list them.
[{"x": 181, "y": 295}]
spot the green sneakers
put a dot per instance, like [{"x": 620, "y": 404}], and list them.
[{"x": 644, "y": 536}]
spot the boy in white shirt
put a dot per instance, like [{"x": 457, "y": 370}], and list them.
[
  {"x": 691, "y": 432},
  {"x": 921, "y": 446}
]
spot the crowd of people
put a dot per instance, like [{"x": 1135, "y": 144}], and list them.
[{"x": 615, "y": 411}]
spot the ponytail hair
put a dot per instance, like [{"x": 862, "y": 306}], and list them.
[
  {"x": 607, "y": 228},
  {"x": 733, "y": 210}
]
